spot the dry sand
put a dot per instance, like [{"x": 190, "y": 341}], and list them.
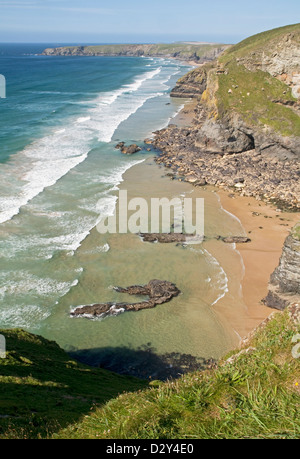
[{"x": 267, "y": 228}]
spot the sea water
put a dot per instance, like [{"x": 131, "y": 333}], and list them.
[{"x": 59, "y": 170}]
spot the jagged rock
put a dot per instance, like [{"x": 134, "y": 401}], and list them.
[
  {"x": 159, "y": 292},
  {"x": 191, "y": 85},
  {"x": 287, "y": 275},
  {"x": 273, "y": 300},
  {"x": 167, "y": 238},
  {"x": 131, "y": 149},
  {"x": 120, "y": 145},
  {"x": 284, "y": 285},
  {"x": 278, "y": 178},
  {"x": 226, "y": 136},
  {"x": 236, "y": 240},
  {"x": 164, "y": 238}
]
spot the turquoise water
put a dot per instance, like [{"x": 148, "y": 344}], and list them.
[{"x": 59, "y": 170}]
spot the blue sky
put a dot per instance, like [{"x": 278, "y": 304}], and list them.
[{"x": 140, "y": 21}]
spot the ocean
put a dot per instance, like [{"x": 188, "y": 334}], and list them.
[{"x": 59, "y": 170}]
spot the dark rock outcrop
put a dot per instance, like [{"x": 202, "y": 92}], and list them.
[
  {"x": 167, "y": 238},
  {"x": 130, "y": 150},
  {"x": 284, "y": 284},
  {"x": 158, "y": 291},
  {"x": 236, "y": 240},
  {"x": 287, "y": 274},
  {"x": 264, "y": 175},
  {"x": 192, "y": 85}
]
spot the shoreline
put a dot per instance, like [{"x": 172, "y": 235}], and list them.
[
  {"x": 268, "y": 230},
  {"x": 266, "y": 226}
]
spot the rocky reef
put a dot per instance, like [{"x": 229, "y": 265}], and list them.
[
  {"x": 168, "y": 238},
  {"x": 158, "y": 291}
]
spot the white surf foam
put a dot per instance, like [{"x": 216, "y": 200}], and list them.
[{"x": 42, "y": 163}]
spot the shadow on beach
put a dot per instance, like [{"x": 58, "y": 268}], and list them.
[{"x": 143, "y": 363}]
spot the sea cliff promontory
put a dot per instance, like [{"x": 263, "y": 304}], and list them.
[
  {"x": 196, "y": 52},
  {"x": 245, "y": 132}
]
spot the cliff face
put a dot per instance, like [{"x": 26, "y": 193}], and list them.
[
  {"x": 254, "y": 88},
  {"x": 285, "y": 281},
  {"x": 191, "y": 85},
  {"x": 278, "y": 53},
  {"x": 246, "y": 120}
]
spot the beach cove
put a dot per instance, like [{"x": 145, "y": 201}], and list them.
[
  {"x": 55, "y": 260},
  {"x": 222, "y": 285}
]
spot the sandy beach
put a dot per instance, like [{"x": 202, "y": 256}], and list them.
[{"x": 267, "y": 227}]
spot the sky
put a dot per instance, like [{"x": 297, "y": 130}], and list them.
[{"x": 141, "y": 21}]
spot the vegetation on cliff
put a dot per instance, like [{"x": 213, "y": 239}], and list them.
[
  {"x": 253, "y": 393},
  {"x": 43, "y": 389},
  {"x": 257, "y": 79}
]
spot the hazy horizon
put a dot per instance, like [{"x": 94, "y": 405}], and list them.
[{"x": 66, "y": 21}]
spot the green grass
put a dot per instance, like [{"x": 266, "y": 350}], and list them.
[
  {"x": 255, "y": 96},
  {"x": 44, "y": 390},
  {"x": 262, "y": 41},
  {"x": 296, "y": 231},
  {"x": 256, "y": 396},
  {"x": 45, "y": 394}
]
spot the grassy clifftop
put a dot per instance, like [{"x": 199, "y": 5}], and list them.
[
  {"x": 253, "y": 393},
  {"x": 43, "y": 390},
  {"x": 265, "y": 41},
  {"x": 257, "y": 79}
]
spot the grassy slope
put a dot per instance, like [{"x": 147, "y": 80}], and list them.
[
  {"x": 256, "y": 396},
  {"x": 261, "y": 41},
  {"x": 43, "y": 390},
  {"x": 256, "y": 95},
  {"x": 253, "y": 96},
  {"x": 46, "y": 394}
]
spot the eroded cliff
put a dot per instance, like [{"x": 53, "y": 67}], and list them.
[
  {"x": 284, "y": 287},
  {"x": 246, "y": 128}
]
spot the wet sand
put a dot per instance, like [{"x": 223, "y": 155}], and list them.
[
  {"x": 268, "y": 228},
  {"x": 247, "y": 266}
]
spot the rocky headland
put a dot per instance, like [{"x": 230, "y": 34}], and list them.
[
  {"x": 195, "y": 52},
  {"x": 245, "y": 132}
]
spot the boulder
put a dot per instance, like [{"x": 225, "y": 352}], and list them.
[{"x": 131, "y": 149}]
